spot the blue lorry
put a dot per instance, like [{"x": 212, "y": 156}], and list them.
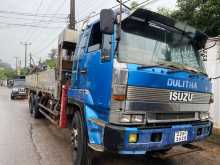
[{"x": 130, "y": 84}]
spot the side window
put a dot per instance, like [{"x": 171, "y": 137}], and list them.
[
  {"x": 95, "y": 39},
  {"x": 83, "y": 43},
  {"x": 106, "y": 48},
  {"x": 76, "y": 54},
  {"x": 106, "y": 43}
]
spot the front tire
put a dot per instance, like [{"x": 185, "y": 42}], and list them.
[{"x": 82, "y": 155}]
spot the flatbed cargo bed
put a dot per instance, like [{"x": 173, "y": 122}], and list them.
[{"x": 45, "y": 81}]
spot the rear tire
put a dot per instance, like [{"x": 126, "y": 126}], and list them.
[
  {"x": 35, "y": 110},
  {"x": 31, "y": 103},
  {"x": 12, "y": 97},
  {"x": 82, "y": 155}
]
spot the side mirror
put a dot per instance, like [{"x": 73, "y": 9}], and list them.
[
  {"x": 199, "y": 40},
  {"x": 107, "y": 19}
]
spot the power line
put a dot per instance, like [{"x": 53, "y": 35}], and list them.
[
  {"x": 94, "y": 15},
  {"x": 51, "y": 42},
  {"x": 25, "y": 44},
  {"x": 32, "y": 14},
  {"x": 146, "y": 2},
  {"x": 29, "y": 25},
  {"x": 38, "y": 8},
  {"x": 45, "y": 47},
  {"x": 52, "y": 17},
  {"x": 41, "y": 20},
  {"x": 31, "y": 19}
]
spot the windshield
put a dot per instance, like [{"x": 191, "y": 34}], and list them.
[
  {"x": 161, "y": 47},
  {"x": 19, "y": 83}
]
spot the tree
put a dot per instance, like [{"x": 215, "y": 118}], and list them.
[
  {"x": 53, "y": 54},
  {"x": 134, "y": 4},
  {"x": 51, "y": 63},
  {"x": 52, "y": 60},
  {"x": 164, "y": 11},
  {"x": 6, "y": 71},
  {"x": 24, "y": 71},
  {"x": 201, "y": 14},
  {"x": 4, "y": 65}
]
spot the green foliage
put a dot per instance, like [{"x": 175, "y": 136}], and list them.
[
  {"x": 7, "y": 73},
  {"x": 164, "y": 11},
  {"x": 51, "y": 63},
  {"x": 24, "y": 71},
  {"x": 201, "y": 14},
  {"x": 134, "y": 4}
]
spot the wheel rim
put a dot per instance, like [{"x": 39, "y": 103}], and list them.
[
  {"x": 75, "y": 142},
  {"x": 75, "y": 135},
  {"x": 30, "y": 106},
  {"x": 33, "y": 111}
]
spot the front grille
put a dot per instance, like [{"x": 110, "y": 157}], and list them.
[
  {"x": 174, "y": 116},
  {"x": 21, "y": 90},
  {"x": 161, "y": 95}
]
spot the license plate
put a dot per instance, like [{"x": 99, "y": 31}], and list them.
[
  {"x": 181, "y": 136},
  {"x": 181, "y": 96}
]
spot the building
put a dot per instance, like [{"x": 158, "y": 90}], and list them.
[{"x": 213, "y": 69}]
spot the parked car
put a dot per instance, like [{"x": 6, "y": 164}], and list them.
[{"x": 18, "y": 89}]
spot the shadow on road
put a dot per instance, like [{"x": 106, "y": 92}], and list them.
[{"x": 119, "y": 160}]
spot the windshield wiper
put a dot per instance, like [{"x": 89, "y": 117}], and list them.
[
  {"x": 173, "y": 68},
  {"x": 162, "y": 65},
  {"x": 188, "y": 69}
]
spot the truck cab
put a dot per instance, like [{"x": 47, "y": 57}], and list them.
[{"x": 139, "y": 84}]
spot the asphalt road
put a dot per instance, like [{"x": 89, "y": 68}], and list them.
[{"x": 25, "y": 141}]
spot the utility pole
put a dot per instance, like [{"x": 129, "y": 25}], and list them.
[
  {"x": 120, "y": 11},
  {"x": 16, "y": 64},
  {"x": 19, "y": 67},
  {"x": 72, "y": 15},
  {"x": 25, "y": 44},
  {"x": 30, "y": 60}
]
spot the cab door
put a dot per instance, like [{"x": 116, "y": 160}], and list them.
[
  {"x": 96, "y": 73},
  {"x": 78, "y": 80}
]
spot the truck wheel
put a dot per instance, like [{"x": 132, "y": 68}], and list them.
[
  {"x": 31, "y": 99},
  {"x": 12, "y": 97},
  {"x": 35, "y": 109},
  {"x": 81, "y": 153}
]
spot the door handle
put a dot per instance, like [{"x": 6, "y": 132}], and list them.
[{"x": 83, "y": 71}]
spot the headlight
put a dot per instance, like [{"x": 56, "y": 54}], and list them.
[
  {"x": 125, "y": 119},
  {"x": 131, "y": 118},
  {"x": 204, "y": 116},
  {"x": 137, "y": 118}
]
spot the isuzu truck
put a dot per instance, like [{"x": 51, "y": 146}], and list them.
[{"x": 128, "y": 84}]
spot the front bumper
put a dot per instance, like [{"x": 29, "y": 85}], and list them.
[
  {"x": 116, "y": 138},
  {"x": 18, "y": 94}
]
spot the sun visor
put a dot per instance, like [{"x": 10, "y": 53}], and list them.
[
  {"x": 144, "y": 16},
  {"x": 154, "y": 23}
]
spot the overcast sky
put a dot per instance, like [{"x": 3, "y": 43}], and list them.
[{"x": 48, "y": 19}]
